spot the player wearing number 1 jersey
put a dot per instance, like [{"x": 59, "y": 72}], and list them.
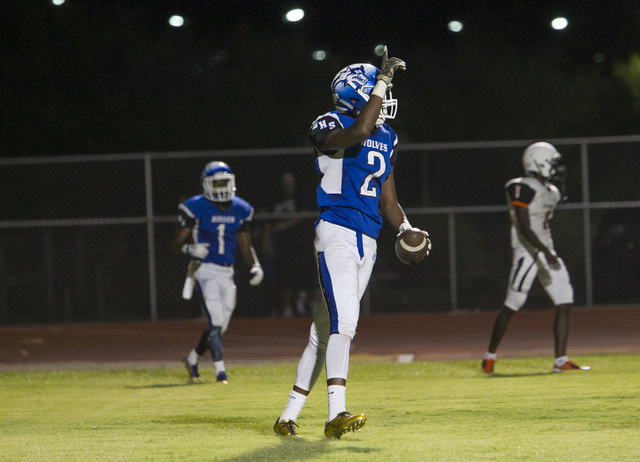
[
  {"x": 355, "y": 154},
  {"x": 216, "y": 222},
  {"x": 532, "y": 200}
]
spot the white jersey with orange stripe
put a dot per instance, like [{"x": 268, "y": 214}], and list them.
[{"x": 540, "y": 200}]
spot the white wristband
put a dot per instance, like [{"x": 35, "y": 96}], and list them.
[
  {"x": 380, "y": 89},
  {"x": 404, "y": 226}
]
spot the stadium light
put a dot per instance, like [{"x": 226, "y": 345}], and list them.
[
  {"x": 294, "y": 15},
  {"x": 455, "y": 26},
  {"x": 559, "y": 23},
  {"x": 319, "y": 55},
  {"x": 176, "y": 21},
  {"x": 57, "y": 2},
  {"x": 378, "y": 50}
]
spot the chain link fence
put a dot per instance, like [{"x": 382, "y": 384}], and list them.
[{"x": 88, "y": 238}]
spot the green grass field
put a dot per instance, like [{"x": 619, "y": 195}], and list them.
[{"x": 436, "y": 411}]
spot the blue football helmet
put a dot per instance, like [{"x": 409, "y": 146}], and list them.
[
  {"x": 218, "y": 182},
  {"x": 351, "y": 88}
]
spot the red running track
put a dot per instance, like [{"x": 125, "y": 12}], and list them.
[{"x": 426, "y": 337}]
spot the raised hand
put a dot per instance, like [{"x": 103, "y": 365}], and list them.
[{"x": 389, "y": 66}]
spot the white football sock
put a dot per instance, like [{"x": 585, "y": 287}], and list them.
[
  {"x": 192, "y": 358},
  {"x": 294, "y": 406},
  {"x": 337, "y": 400},
  {"x": 219, "y": 366},
  {"x": 560, "y": 360},
  {"x": 488, "y": 355}
]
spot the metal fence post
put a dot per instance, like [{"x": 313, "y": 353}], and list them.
[
  {"x": 453, "y": 270},
  {"x": 586, "y": 217},
  {"x": 151, "y": 244}
]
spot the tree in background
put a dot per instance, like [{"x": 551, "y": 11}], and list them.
[{"x": 629, "y": 73}]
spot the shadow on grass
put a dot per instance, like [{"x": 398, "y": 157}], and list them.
[
  {"x": 279, "y": 448},
  {"x": 298, "y": 449},
  {"x": 529, "y": 374},
  {"x": 164, "y": 385}
]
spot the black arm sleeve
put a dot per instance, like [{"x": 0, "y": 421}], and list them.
[{"x": 185, "y": 220}]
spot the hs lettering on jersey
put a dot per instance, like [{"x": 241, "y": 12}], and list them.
[
  {"x": 377, "y": 145},
  {"x": 223, "y": 219},
  {"x": 322, "y": 124}
]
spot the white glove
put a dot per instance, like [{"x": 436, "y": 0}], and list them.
[
  {"x": 428, "y": 240},
  {"x": 389, "y": 67},
  {"x": 405, "y": 225},
  {"x": 199, "y": 251},
  {"x": 256, "y": 274}
]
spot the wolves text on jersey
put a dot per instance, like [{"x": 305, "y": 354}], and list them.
[
  {"x": 377, "y": 145},
  {"x": 223, "y": 219}
]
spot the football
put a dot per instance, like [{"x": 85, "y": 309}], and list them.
[{"x": 412, "y": 246}]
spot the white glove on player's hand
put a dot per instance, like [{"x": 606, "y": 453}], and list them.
[
  {"x": 407, "y": 226},
  {"x": 428, "y": 240},
  {"x": 199, "y": 251},
  {"x": 256, "y": 274},
  {"x": 404, "y": 226},
  {"x": 389, "y": 66}
]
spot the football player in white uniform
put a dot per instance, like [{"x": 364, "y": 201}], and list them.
[
  {"x": 216, "y": 221},
  {"x": 355, "y": 155},
  {"x": 532, "y": 200}
]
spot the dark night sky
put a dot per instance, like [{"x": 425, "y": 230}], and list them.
[{"x": 98, "y": 76}]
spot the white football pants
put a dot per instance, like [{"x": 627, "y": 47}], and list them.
[
  {"x": 218, "y": 289},
  {"x": 525, "y": 268},
  {"x": 345, "y": 262}
]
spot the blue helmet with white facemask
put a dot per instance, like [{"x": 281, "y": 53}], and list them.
[
  {"x": 351, "y": 89},
  {"x": 218, "y": 182}
]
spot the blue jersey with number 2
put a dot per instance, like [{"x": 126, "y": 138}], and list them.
[
  {"x": 216, "y": 226},
  {"x": 351, "y": 179}
]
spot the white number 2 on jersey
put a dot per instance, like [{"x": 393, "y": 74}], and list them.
[{"x": 373, "y": 157}]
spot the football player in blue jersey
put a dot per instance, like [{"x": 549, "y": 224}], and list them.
[
  {"x": 212, "y": 225},
  {"x": 355, "y": 155}
]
